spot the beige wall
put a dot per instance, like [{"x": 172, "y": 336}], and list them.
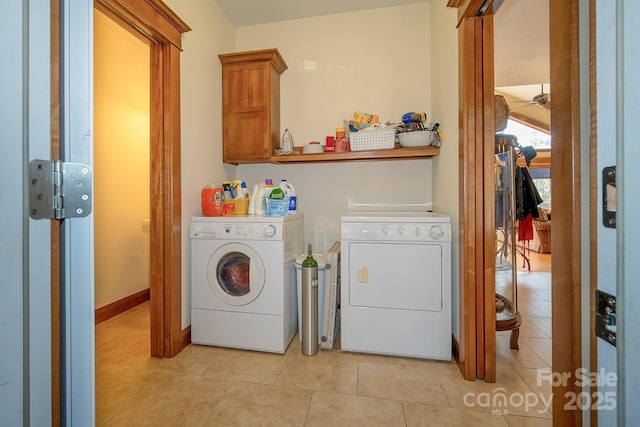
[
  {"x": 121, "y": 162},
  {"x": 201, "y": 119},
  {"x": 444, "y": 49},
  {"x": 385, "y": 61},
  {"x": 376, "y": 61}
]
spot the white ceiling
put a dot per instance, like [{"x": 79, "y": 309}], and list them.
[
  {"x": 521, "y": 42},
  {"x": 252, "y": 12}
]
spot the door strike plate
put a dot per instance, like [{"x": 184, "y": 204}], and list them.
[{"x": 609, "y": 197}]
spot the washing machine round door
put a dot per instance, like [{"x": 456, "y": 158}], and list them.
[{"x": 236, "y": 274}]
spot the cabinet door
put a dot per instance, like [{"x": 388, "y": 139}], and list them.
[{"x": 246, "y": 112}]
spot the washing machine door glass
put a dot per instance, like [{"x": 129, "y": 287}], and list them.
[{"x": 236, "y": 274}]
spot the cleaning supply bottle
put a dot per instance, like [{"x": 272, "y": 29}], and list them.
[
  {"x": 277, "y": 193},
  {"x": 244, "y": 193},
  {"x": 277, "y": 203},
  {"x": 287, "y": 142},
  {"x": 228, "y": 189},
  {"x": 309, "y": 305},
  {"x": 260, "y": 207},
  {"x": 268, "y": 186},
  {"x": 236, "y": 187},
  {"x": 253, "y": 198},
  {"x": 290, "y": 191}
]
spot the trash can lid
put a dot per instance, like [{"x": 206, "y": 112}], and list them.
[{"x": 320, "y": 259}]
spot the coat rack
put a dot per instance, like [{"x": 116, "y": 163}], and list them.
[{"x": 508, "y": 317}]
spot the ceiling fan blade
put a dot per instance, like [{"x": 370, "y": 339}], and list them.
[
  {"x": 546, "y": 106},
  {"x": 520, "y": 101},
  {"x": 524, "y": 106}
]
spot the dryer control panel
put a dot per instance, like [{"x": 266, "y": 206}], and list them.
[{"x": 399, "y": 232}]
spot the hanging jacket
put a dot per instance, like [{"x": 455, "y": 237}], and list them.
[{"x": 527, "y": 196}]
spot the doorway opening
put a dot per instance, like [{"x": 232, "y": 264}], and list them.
[
  {"x": 523, "y": 278},
  {"x": 477, "y": 108},
  {"x": 160, "y": 29},
  {"x": 121, "y": 168},
  {"x": 121, "y": 200}
]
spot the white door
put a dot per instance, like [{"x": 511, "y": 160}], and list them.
[
  {"x": 618, "y": 109},
  {"x": 628, "y": 232},
  {"x": 606, "y": 157},
  {"x": 25, "y": 366},
  {"x": 25, "y": 314}
]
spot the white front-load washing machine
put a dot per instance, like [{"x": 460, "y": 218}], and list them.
[
  {"x": 243, "y": 280},
  {"x": 396, "y": 284}
]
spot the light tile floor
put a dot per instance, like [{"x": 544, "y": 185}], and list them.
[
  {"x": 211, "y": 386},
  {"x": 532, "y": 362}
]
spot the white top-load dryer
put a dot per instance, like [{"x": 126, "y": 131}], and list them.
[{"x": 396, "y": 284}]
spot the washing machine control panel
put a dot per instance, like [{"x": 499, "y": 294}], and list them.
[{"x": 239, "y": 231}]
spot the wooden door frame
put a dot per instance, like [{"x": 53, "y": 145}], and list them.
[
  {"x": 566, "y": 234},
  {"x": 154, "y": 23},
  {"x": 566, "y": 265},
  {"x": 476, "y": 355}
]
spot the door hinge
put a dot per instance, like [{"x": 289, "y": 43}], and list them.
[{"x": 59, "y": 189}]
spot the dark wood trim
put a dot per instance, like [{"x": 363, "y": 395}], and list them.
[
  {"x": 477, "y": 147},
  {"x": 157, "y": 209},
  {"x": 173, "y": 202},
  {"x": 566, "y": 232},
  {"x": 454, "y": 3},
  {"x": 471, "y": 8},
  {"x": 488, "y": 301},
  {"x": 151, "y": 18},
  {"x": 56, "y": 384},
  {"x": 122, "y": 305},
  {"x": 467, "y": 350},
  {"x": 471, "y": 201},
  {"x": 396, "y": 153},
  {"x": 477, "y": 350}
]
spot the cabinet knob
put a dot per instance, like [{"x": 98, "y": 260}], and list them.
[{"x": 266, "y": 150}]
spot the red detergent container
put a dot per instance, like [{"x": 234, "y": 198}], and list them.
[{"x": 212, "y": 200}]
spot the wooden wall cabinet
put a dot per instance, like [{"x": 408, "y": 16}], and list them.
[{"x": 251, "y": 105}]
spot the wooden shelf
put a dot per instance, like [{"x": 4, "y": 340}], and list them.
[{"x": 350, "y": 156}]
